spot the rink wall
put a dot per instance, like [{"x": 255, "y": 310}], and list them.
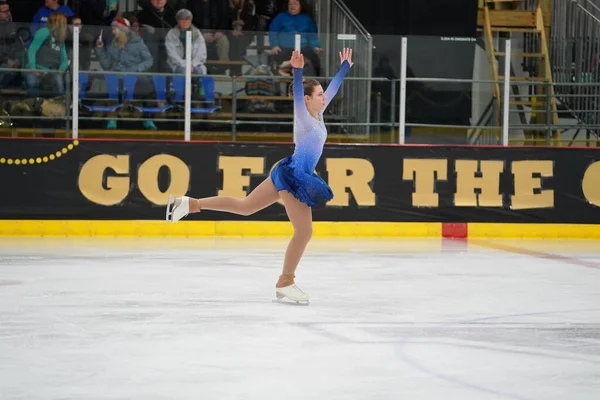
[{"x": 54, "y": 187}]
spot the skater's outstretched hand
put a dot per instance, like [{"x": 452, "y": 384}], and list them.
[
  {"x": 297, "y": 59},
  {"x": 346, "y": 55}
]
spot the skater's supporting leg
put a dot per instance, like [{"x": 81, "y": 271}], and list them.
[
  {"x": 300, "y": 216},
  {"x": 261, "y": 197}
]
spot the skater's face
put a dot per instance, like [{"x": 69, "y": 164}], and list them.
[{"x": 316, "y": 101}]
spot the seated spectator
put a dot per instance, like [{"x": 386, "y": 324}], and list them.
[
  {"x": 156, "y": 21},
  {"x": 127, "y": 53},
  {"x": 176, "y": 45},
  {"x": 48, "y": 52},
  {"x": 50, "y": 6},
  {"x": 86, "y": 42},
  {"x": 242, "y": 24},
  {"x": 11, "y": 48},
  {"x": 285, "y": 26},
  {"x": 210, "y": 16}
]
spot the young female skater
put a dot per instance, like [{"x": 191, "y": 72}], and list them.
[{"x": 293, "y": 179}]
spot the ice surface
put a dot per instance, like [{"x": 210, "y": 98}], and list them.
[{"x": 389, "y": 319}]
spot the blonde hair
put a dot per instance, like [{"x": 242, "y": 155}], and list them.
[
  {"x": 121, "y": 39},
  {"x": 57, "y": 25}
]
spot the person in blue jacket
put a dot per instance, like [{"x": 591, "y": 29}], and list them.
[
  {"x": 286, "y": 25},
  {"x": 40, "y": 19},
  {"x": 48, "y": 52}
]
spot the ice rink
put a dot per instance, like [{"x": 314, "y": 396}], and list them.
[{"x": 389, "y": 319}]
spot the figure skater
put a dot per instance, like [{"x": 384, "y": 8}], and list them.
[{"x": 293, "y": 179}]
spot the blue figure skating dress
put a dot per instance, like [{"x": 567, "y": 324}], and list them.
[{"x": 296, "y": 173}]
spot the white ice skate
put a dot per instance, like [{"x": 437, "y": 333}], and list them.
[
  {"x": 177, "y": 208},
  {"x": 292, "y": 293}
]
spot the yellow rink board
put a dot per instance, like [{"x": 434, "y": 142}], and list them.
[
  {"x": 134, "y": 228},
  {"x": 214, "y": 228}
]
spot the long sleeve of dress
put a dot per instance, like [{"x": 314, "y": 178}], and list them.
[
  {"x": 336, "y": 82},
  {"x": 300, "y": 111}
]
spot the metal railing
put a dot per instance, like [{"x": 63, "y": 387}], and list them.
[
  {"x": 340, "y": 28},
  {"x": 575, "y": 58}
]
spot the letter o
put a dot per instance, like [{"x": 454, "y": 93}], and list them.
[{"x": 148, "y": 178}]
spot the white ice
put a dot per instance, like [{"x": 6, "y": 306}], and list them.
[{"x": 389, "y": 319}]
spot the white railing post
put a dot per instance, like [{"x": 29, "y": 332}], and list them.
[
  {"x": 404, "y": 55},
  {"x": 506, "y": 103},
  {"x": 297, "y": 47},
  {"x": 75, "y": 99},
  {"x": 188, "y": 86}
]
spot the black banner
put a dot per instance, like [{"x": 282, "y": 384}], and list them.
[{"x": 129, "y": 180}]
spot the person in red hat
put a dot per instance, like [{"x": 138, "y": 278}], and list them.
[{"x": 127, "y": 53}]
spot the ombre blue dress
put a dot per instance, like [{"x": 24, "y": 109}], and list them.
[{"x": 296, "y": 173}]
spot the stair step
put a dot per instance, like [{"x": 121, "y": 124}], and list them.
[
  {"x": 527, "y": 103},
  {"x": 527, "y": 55},
  {"x": 506, "y": 29},
  {"x": 526, "y": 78}
]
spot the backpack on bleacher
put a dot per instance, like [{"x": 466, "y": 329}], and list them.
[{"x": 261, "y": 87}]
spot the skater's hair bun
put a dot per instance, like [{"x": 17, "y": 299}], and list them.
[{"x": 309, "y": 87}]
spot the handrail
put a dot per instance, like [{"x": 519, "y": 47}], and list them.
[{"x": 344, "y": 8}]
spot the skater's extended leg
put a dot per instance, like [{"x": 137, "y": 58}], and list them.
[
  {"x": 261, "y": 197},
  {"x": 300, "y": 216}
]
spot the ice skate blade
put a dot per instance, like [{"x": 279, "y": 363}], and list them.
[
  {"x": 280, "y": 298},
  {"x": 169, "y": 214},
  {"x": 289, "y": 302}
]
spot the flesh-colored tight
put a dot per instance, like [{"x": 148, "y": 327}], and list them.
[{"x": 264, "y": 195}]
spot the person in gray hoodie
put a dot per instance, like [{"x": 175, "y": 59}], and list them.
[
  {"x": 127, "y": 53},
  {"x": 176, "y": 45}
]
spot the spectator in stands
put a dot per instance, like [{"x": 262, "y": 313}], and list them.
[
  {"x": 86, "y": 42},
  {"x": 50, "y": 6},
  {"x": 156, "y": 21},
  {"x": 297, "y": 19},
  {"x": 48, "y": 52},
  {"x": 210, "y": 16},
  {"x": 176, "y": 45},
  {"x": 242, "y": 24},
  {"x": 127, "y": 53},
  {"x": 11, "y": 47}
]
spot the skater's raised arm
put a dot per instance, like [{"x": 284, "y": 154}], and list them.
[
  {"x": 336, "y": 82},
  {"x": 297, "y": 62}
]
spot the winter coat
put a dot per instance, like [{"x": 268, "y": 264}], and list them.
[
  {"x": 175, "y": 49},
  {"x": 284, "y": 27},
  {"x": 135, "y": 57}
]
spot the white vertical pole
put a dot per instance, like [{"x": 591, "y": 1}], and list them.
[
  {"x": 403, "y": 91},
  {"x": 506, "y": 104},
  {"x": 188, "y": 85},
  {"x": 75, "y": 101},
  {"x": 297, "y": 44}
]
